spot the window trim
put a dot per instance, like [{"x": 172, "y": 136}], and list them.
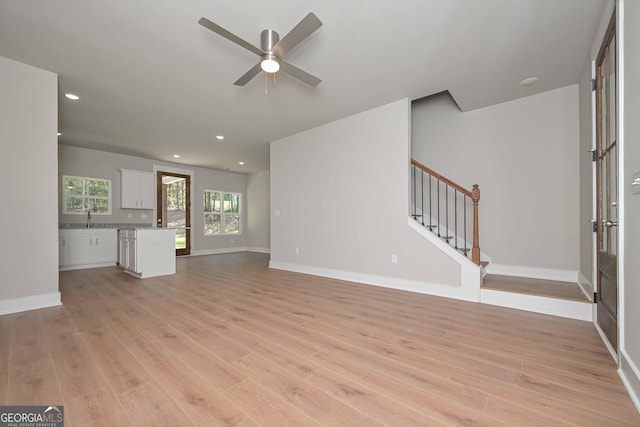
[
  {"x": 222, "y": 214},
  {"x": 108, "y": 198}
]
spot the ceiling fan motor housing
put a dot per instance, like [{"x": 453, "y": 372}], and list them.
[{"x": 268, "y": 39}]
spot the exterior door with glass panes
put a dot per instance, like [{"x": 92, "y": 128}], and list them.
[
  {"x": 174, "y": 208},
  {"x": 606, "y": 157}
]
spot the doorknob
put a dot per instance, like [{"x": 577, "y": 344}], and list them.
[{"x": 609, "y": 224}]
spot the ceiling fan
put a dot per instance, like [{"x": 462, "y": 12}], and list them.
[{"x": 273, "y": 50}]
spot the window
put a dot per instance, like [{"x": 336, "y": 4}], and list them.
[
  {"x": 81, "y": 194},
  {"x": 221, "y": 213}
]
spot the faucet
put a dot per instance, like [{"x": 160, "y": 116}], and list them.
[{"x": 89, "y": 218}]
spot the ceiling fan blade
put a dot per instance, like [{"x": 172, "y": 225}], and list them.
[
  {"x": 298, "y": 34},
  {"x": 248, "y": 75},
  {"x": 299, "y": 74},
  {"x": 230, "y": 36}
]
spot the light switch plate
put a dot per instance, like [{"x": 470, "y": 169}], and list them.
[{"x": 635, "y": 184}]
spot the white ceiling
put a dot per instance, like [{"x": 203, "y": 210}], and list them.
[{"x": 154, "y": 83}]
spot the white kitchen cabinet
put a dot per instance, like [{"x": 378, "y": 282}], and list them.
[
  {"x": 147, "y": 252},
  {"x": 63, "y": 250},
  {"x": 136, "y": 190},
  {"x": 87, "y": 248}
]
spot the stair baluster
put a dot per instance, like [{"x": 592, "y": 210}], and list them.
[{"x": 458, "y": 191}]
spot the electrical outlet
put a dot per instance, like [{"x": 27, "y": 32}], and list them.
[
  {"x": 297, "y": 250},
  {"x": 143, "y": 216},
  {"x": 394, "y": 259},
  {"x": 276, "y": 212}
]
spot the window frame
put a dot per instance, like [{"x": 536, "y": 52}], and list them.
[
  {"x": 223, "y": 215},
  {"x": 66, "y": 196}
]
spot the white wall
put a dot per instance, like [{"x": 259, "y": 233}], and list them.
[
  {"x": 28, "y": 126},
  {"x": 629, "y": 137},
  {"x": 258, "y": 211},
  {"x": 339, "y": 193},
  {"x": 100, "y": 164},
  {"x": 524, "y": 154}
]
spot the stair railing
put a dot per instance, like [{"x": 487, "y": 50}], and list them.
[{"x": 445, "y": 192}]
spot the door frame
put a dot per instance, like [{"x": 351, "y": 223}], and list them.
[
  {"x": 609, "y": 28},
  {"x": 177, "y": 171}
]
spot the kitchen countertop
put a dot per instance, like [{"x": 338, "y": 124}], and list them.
[{"x": 103, "y": 225}]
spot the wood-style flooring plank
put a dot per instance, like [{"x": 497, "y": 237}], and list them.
[
  {"x": 4, "y": 387},
  {"x": 34, "y": 388},
  {"x": 77, "y": 371},
  {"x": 5, "y": 343},
  {"x": 433, "y": 405},
  {"x": 205, "y": 405},
  {"x": 212, "y": 369},
  {"x": 120, "y": 368},
  {"x": 546, "y": 288},
  {"x": 149, "y": 405},
  {"x": 98, "y": 408},
  {"x": 55, "y": 320},
  {"x": 513, "y": 392},
  {"x": 374, "y": 404},
  {"x": 314, "y": 403},
  {"x": 264, "y": 405}
]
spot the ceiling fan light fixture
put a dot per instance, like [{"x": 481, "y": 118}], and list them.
[{"x": 269, "y": 64}]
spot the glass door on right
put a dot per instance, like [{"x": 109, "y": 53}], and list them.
[{"x": 607, "y": 188}]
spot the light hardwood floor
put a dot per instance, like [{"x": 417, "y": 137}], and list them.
[
  {"x": 227, "y": 341},
  {"x": 538, "y": 287}
]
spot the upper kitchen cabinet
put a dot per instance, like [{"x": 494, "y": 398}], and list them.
[{"x": 137, "y": 189}]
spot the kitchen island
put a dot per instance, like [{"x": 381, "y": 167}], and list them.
[{"x": 147, "y": 252}]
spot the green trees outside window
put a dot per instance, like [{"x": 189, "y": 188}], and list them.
[
  {"x": 83, "y": 194},
  {"x": 221, "y": 213}
]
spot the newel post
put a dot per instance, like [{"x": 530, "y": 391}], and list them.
[{"x": 475, "y": 250}]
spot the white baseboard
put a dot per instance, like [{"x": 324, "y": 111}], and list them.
[
  {"x": 537, "y": 304},
  {"x": 259, "y": 250},
  {"x": 442, "y": 290},
  {"x": 585, "y": 286},
  {"x": 630, "y": 375},
  {"x": 84, "y": 266},
  {"x": 199, "y": 252},
  {"x": 16, "y": 305},
  {"x": 603, "y": 337},
  {"x": 533, "y": 272}
]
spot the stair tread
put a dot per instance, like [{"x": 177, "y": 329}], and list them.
[{"x": 538, "y": 287}]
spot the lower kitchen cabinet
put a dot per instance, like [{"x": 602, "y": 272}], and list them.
[
  {"x": 147, "y": 252},
  {"x": 87, "y": 248}
]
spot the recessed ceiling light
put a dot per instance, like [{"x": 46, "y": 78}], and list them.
[
  {"x": 220, "y": 137},
  {"x": 529, "y": 81},
  {"x": 59, "y": 134},
  {"x": 72, "y": 96},
  {"x": 241, "y": 163},
  {"x": 177, "y": 156}
]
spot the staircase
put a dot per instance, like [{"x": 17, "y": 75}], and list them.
[
  {"x": 450, "y": 212},
  {"x": 446, "y": 209},
  {"x": 565, "y": 299}
]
